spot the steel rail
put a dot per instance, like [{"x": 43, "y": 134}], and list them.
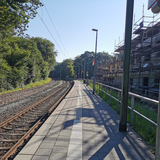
[
  {"x": 13, "y": 150},
  {"x": 30, "y": 92},
  {"x": 19, "y": 114},
  {"x": 21, "y": 91}
]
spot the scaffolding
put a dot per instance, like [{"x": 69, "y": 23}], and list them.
[
  {"x": 145, "y": 56},
  {"x": 144, "y": 62}
]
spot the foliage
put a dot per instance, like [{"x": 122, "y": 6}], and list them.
[
  {"x": 89, "y": 57},
  {"x": 47, "y": 50},
  {"x": 15, "y": 15},
  {"x": 63, "y": 70},
  {"x": 5, "y": 71},
  {"x": 20, "y": 60},
  {"x": 21, "y": 63},
  {"x": 29, "y": 86},
  {"x": 75, "y": 67}
]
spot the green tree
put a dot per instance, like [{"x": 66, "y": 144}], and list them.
[
  {"x": 47, "y": 50},
  {"x": 70, "y": 68},
  {"x": 16, "y": 59},
  {"x": 89, "y": 58},
  {"x": 24, "y": 61},
  {"x": 37, "y": 68},
  {"x": 5, "y": 72},
  {"x": 64, "y": 69},
  {"x": 15, "y": 15}
]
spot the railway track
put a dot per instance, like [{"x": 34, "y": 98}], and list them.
[
  {"x": 10, "y": 97},
  {"x": 20, "y": 101},
  {"x": 16, "y": 130}
]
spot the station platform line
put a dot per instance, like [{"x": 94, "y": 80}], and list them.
[{"x": 84, "y": 127}]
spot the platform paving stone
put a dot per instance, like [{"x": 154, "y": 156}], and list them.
[
  {"x": 47, "y": 145},
  {"x": 24, "y": 157},
  {"x": 44, "y": 151},
  {"x": 39, "y": 158},
  {"x": 84, "y": 127}
]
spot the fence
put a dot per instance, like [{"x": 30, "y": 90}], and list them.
[{"x": 104, "y": 90}]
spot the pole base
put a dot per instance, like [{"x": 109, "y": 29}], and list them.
[
  {"x": 122, "y": 127},
  {"x": 93, "y": 92}
]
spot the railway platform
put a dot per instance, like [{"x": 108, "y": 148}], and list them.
[{"x": 84, "y": 127}]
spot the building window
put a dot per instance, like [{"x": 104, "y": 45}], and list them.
[{"x": 145, "y": 81}]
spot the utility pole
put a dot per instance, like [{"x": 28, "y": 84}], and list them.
[
  {"x": 126, "y": 66},
  {"x": 78, "y": 71},
  {"x": 60, "y": 72},
  {"x": 87, "y": 70}
]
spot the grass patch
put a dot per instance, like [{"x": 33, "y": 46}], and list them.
[
  {"x": 145, "y": 129},
  {"x": 80, "y": 80},
  {"x": 29, "y": 86}
]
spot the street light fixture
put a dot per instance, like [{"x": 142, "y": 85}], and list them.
[{"x": 96, "y": 30}]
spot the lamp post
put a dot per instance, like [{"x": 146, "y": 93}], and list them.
[
  {"x": 96, "y": 30},
  {"x": 81, "y": 71},
  {"x": 87, "y": 69},
  {"x": 78, "y": 72},
  {"x": 84, "y": 71},
  {"x": 60, "y": 72}
]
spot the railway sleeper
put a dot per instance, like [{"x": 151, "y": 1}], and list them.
[
  {"x": 33, "y": 113},
  {"x": 28, "y": 121},
  {"x": 12, "y": 134},
  {"x": 27, "y": 117},
  {"x": 18, "y": 124},
  {"x": 4, "y": 148},
  {"x": 19, "y": 129},
  {"x": 9, "y": 140},
  {"x": 7, "y": 136}
]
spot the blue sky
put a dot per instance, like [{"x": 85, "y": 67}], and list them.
[{"x": 74, "y": 20}]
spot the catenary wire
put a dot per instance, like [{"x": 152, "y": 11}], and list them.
[
  {"x": 55, "y": 29},
  {"x": 57, "y": 34},
  {"x": 51, "y": 35},
  {"x": 54, "y": 38}
]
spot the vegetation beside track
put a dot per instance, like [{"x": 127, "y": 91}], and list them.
[
  {"x": 145, "y": 129},
  {"x": 23, "y": 59},
  {"x": 29, "y": 86}
]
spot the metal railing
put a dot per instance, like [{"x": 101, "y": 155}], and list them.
[{"x": 133, "y": 95}]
